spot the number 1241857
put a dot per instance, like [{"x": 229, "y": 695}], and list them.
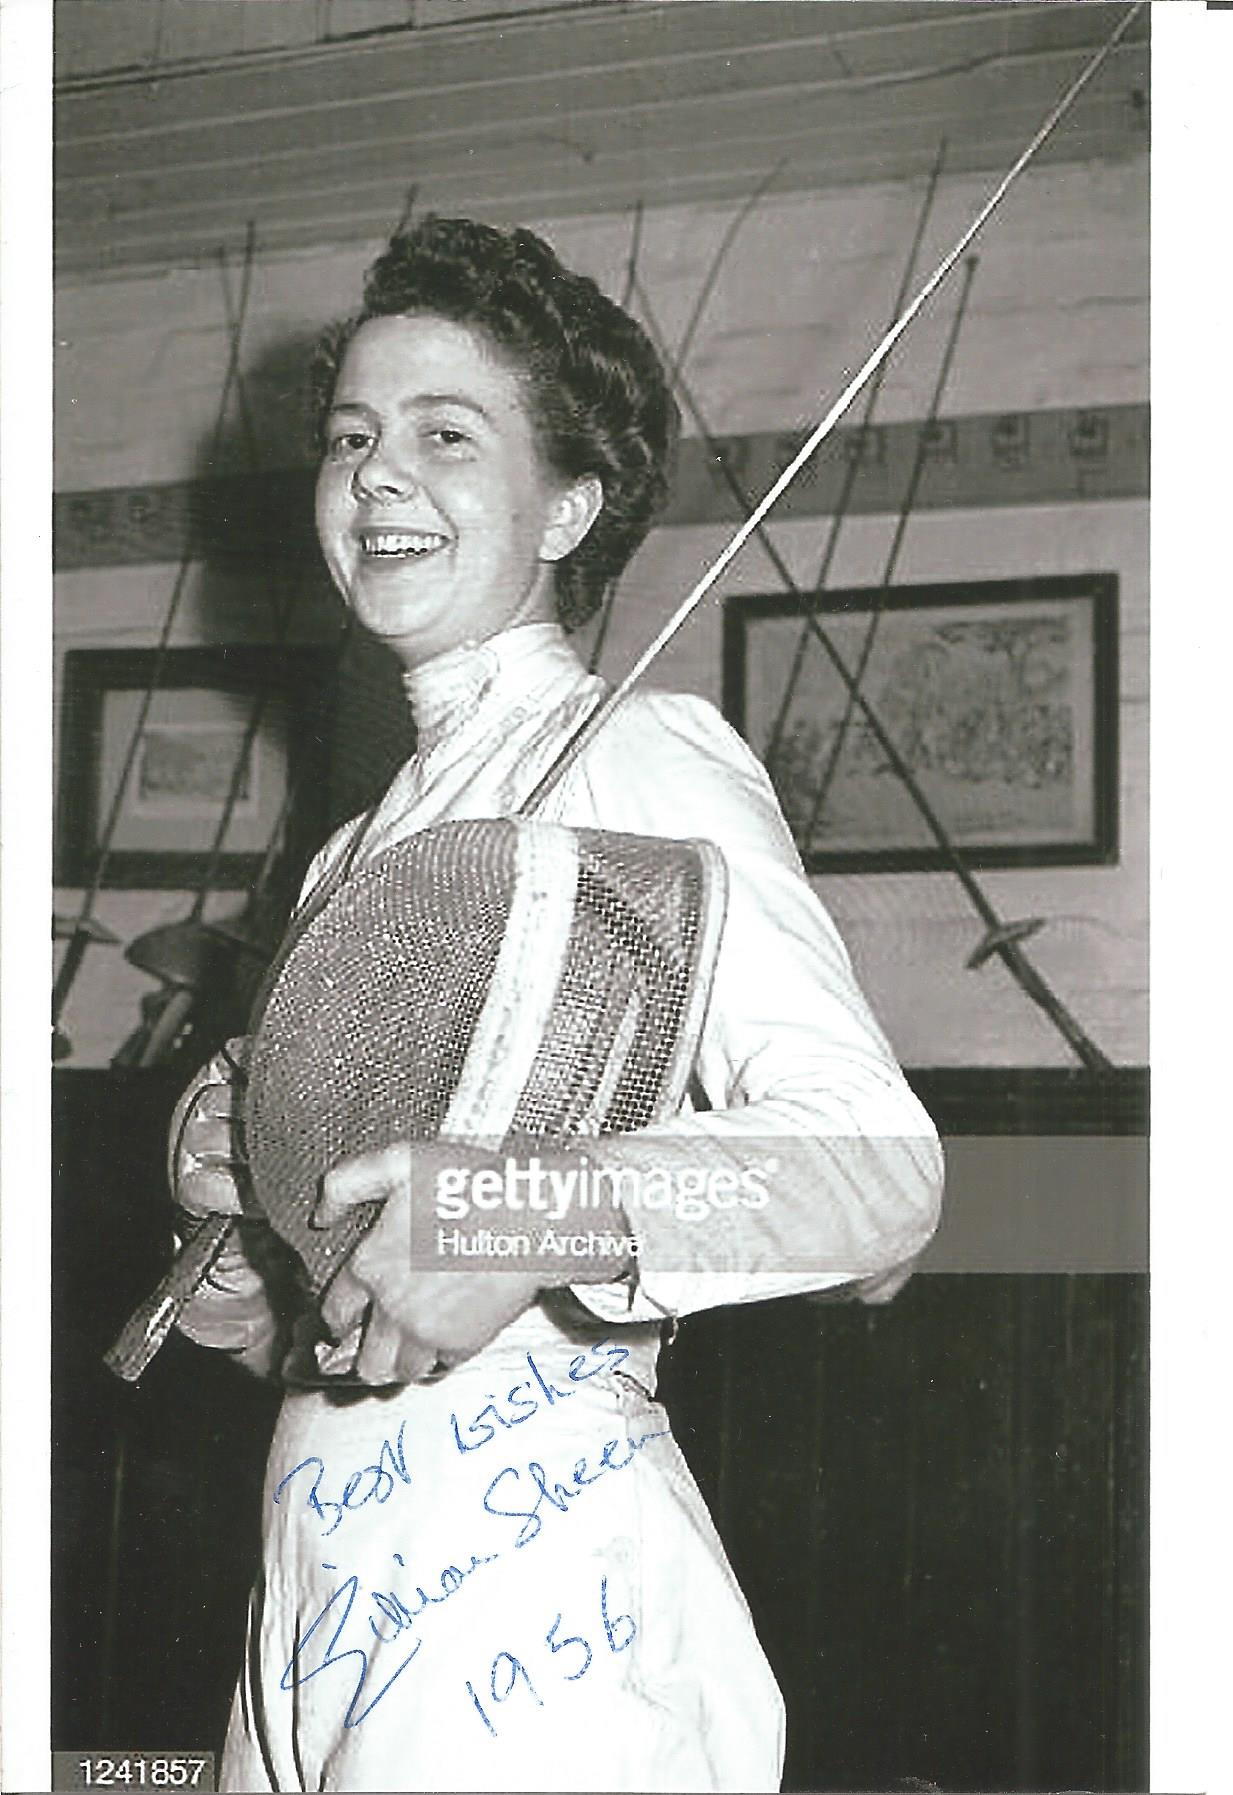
[{"x": 134, "y": 1770}]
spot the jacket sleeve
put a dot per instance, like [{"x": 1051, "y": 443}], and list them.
[{"x": 815, "y": 1165}]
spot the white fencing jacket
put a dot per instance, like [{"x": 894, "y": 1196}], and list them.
[{"x": 507, "y": 1579}]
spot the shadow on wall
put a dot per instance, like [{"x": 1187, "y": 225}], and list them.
[
  {"x": 257, "y": 515},
  {"x": 255, "y": 577}
]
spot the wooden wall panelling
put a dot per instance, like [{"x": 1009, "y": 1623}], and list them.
[
  {"x": 937, "y": 1508},
  {"x": 948, "y": 1560},
  {"x": 579, "y": 113},
  {"x": 157, "y": 1490}
]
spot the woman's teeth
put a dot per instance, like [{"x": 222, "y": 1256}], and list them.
[{"x": 401, "y": 542}]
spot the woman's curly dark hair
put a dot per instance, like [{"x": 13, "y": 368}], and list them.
[{"x": 598, "y": 396}]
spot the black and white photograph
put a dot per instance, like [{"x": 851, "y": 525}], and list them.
[
  {"x": 192, "y": 774},
  {"x": 1000, "y": 697},
  {"x": 599, "y": 831}
]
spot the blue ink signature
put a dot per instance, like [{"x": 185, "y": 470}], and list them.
[
  {"x": 374, "y": 1482},
  {"x": 483, "y": 1432},
  {"x": 559, "y": 1495},
  {"x": 398, "y": 1614},
  {"x": 393, "y": 1610}
]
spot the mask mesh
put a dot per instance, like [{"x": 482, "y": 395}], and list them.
[{"x": 400, "y": 1000}]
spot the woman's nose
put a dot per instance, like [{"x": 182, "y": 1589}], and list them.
[{"x": 382, "y": 476}]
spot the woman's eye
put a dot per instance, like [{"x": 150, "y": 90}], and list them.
[
  {"x": 449, "y": 437},
  {"x": 349, "y": 442}
]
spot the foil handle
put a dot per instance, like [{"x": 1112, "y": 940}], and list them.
[{"x": 148, "y": 1326}]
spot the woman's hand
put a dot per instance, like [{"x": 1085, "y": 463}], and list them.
[
  {"x": 206, "y": 1168},
  {"x": 421, "y": 1319},
  {"x": 208, "y": 1174}
]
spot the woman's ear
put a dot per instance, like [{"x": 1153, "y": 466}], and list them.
[{"x": 571, "y": 515}]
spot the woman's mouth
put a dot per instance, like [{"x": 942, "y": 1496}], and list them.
[{"x": 401, "y": 544}]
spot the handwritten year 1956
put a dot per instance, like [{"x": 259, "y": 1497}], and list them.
[{"x": 507, "y": 1672}]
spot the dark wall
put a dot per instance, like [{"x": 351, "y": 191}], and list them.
[
  {"x": 156, "y": 1490},
  {"x": 937, "y": 1509}
]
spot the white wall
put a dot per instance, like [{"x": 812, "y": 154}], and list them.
[{"x": 1058, "y": 317}]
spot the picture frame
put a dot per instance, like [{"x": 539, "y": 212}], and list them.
[
  {"x": 1000, "y": 695},
  {"x": 252, "y": 716}
]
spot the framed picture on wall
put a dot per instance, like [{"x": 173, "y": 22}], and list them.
[
  {"x": 1000, "y": 695},
  {"x": 187, "y": 769}
]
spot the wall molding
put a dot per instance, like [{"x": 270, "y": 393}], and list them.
[
  {"x": 1034, "y": 1100},
  {"x": 976, "y": 461},
  {"x": 963, "y": 1100}
]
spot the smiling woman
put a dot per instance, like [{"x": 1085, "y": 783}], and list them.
[
  {"x": 439, "y": 522},
  {"x": 494, "y": 438},
  {"x": 475, "y": 348}
]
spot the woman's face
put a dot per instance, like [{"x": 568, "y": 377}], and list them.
[{"x": 437, "y": 518}]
